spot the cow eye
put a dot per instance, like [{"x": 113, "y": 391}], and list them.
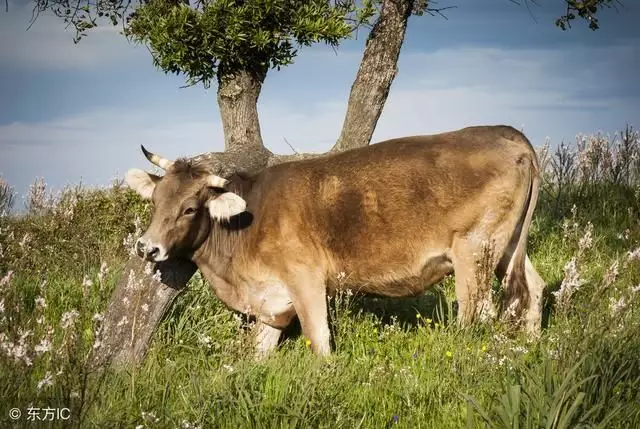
[{"x": 189, "y": 211}]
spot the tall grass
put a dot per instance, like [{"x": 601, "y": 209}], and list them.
[{"x": 397, "y": 362}]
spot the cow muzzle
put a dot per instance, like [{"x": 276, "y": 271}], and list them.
[{"x": 149, "y": 251}]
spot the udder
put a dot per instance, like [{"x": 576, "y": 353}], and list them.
[
  {"x": 435, "y": 269},
  {"x": 271, "y": 304}
]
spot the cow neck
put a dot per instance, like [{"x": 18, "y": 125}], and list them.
[{"x": 213, "y": 259}]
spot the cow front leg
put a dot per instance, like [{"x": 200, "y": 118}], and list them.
[
  {"x": 309, "y": 296},
  {"x": 266, "y": 339}
]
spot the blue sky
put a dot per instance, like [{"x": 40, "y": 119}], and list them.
[{"x": 72, "y": 113}]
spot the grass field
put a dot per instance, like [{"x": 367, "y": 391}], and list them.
[{"x": 397, "y": 362}]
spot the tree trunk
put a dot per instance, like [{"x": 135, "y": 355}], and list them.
[
  {"x": 137, "y": 307},
  {"x": 238, "y": 101},
  {"x": 377, "y": 70},
  {"x": 125, "y": 340}
]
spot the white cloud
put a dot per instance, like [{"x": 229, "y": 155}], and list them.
[
  {"x": 49, "y": 45},
  {"x": 433, "y": 93}
]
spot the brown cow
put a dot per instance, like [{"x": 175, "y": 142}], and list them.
[{"x": 396, "y": 217}]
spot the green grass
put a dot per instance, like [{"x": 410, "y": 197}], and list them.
[{"x": 397, "y": 362}]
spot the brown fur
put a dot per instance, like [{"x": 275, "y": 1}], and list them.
[{"x": 395, "y": 217}]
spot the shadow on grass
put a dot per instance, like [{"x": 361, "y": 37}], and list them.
[
  {"x": 548, "y": 301},
  {"x": 431, "y": 305}
]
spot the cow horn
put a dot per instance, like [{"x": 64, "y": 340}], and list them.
[
  {"x": 161, "y": 162},
  {"x": 217, "y": 181}
]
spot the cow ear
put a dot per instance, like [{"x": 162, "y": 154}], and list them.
[
  {"x": 226, "y": 205},
  {"x": 142, "y": 182}
]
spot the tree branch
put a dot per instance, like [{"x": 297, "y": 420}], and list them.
[{"x": 377, "y": 70}]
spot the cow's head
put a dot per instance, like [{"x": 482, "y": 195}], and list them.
[{"x": 186, "y": 200}]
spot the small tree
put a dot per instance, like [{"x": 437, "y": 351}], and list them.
[
  {"x": 235, "y": 43},
  {"x": 7, "y": 197}
]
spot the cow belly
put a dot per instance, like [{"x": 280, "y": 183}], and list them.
[{"x": 404, "y": 281}]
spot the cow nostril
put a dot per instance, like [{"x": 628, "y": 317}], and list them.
[{"x": 153, "y": 252}]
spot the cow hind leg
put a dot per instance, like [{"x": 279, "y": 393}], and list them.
[
  {"x": 309, "y": 296},
  {"x": 472, "y": 282},
  {"x": 533, "y": 318}
]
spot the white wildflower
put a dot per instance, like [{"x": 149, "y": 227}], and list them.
[
  {"x": 26, "y": 239},
  {"x": 148, "y": 268},
  {"x": 624, "y": 235},
  {"x": 132, "y": 282},
  {"x": 587, "y": 239},
  {"x": 633, "y": 254},
  {"x": 635, "y": 289},
  {"x": 570, "y": 283},
  {"x": 566, "y": 229},
  {"x": 40, "y": 303},
  {"x": 128, "y": 243},
  {"x": 227, "y": 368},
  {"x": 68, "y": 319},
  {"x": 237, "y": 319},
  {"x": 617, "y": 305},
  {"x": 519, "y": 349},
  {"x": 104, "y": 269},
  {"x": 149, "y": 417},
  {"x": 511, "y": 309},
  {"x": 16, "y": 351},
  {"x": 500, "y": 338},
  {"x": 205, "y": 340},
  {"x": 137, "y": 222},
  {"x": 611, "y": 275},
  {"x": 6, "y": 280},
  {"x": 43, "y": 347},
  {"x": 46, "y": 381}
]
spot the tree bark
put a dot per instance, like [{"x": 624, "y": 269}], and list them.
[
  {"x": 137, "y": 307},
  {"x": 378, "y": 68},
  {"x": 238, "y": 101}
]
